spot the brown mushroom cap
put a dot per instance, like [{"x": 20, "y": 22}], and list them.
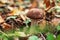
[{"x": 35, "y": 13}]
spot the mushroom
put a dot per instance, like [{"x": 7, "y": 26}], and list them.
[{"x": 35, "y": 15}]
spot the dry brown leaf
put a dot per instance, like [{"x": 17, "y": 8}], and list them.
[{"x": 1, "y": 20}]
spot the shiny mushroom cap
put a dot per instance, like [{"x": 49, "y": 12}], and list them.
[{"x": 35, "y": 13}]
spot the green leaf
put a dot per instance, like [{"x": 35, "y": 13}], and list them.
[
  {"x": 58, "y": 37},
  {"x": 33, "y": 38},
  {"x": 5, "y": 38},
  {"x": 50, "y": 36},
  {"x": 57, "y": 8},
  {"x": 1, "y": 35},
  {"x": 58, "y": 27},
  {"x": 27, "y": 21},
  {"x": 11, "y": 17},
  {"x": 58, "y": 0},
  {"x": 10, "y": 38}
]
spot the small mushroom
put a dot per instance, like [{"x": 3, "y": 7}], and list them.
[{"x": 35, "y": 15}]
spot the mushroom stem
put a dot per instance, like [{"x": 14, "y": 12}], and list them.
[
  {"x": 34, "y": 22},
  {"x": 33, "y": 27}
]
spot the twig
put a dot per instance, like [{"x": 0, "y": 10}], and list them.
[{"x": 42, "y": 36}]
